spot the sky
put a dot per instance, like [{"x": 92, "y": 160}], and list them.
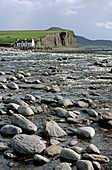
[{"x": 89, "y": 18}]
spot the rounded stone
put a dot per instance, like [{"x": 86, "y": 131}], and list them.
[
  {"x": 25, "y": 110},
  {"x": 10, "y": 130},
  {"x": 24, "y": 123},
  {"x": 70, "y": 154},
  {"x": 27, "y": 144},
  {"x": 84, "y": 165}
]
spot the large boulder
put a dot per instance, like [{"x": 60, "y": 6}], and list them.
[
  {"x": 24, "y": 123},
  {"x": 27, "y": 144},
  {"x": 54, "y": 130}
]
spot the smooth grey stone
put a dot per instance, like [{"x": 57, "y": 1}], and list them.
[
  {"x": 70, "y": 154},
  {"x": 63, "y": 166},
  {"x": 95, "y": 157},
  {"x": 40, "y": 158},
  {"x": 2, "y": 73},
  {"x": 77, "y": 149},
  {"x": 87, "y": 132},
  {"x": 13, "y": 106},
  {"x": 2, "y": 79},
  {"x": 66, "y": 102},
  {"x": 10, "y": 130},
  {"x": 107, "y": 116},
  {"x": 12, "y": 85},
  {"x": 54, "y": 142},
  {"x": 92, "y": 112},
  {"x": 82, "y": 104},
  {"x": 54, "y": 130},
  {"x": 61, "y": 112},
  {"x": 3, "y": 146},
  {"x": 96, "y": 165},
  {"x": 27, "y": 144},
  {"x": 20, "y": 76},
  {"x": 84, "y": 165},
  {"x": 27, "y": 74},
  {"x": 73, "y": 142},
  {"x": 29, "y": 97},
  {"x": 25, "y": 111},
  {"x": 53, "y": 150},
  {"x": 55, "y": 89},
  {"x": 12, "y": 78},
  {"x": 71, "y": 114},
  {"x": 57, "y": 97},
  {"x": 24, "y": 123},
  {"x": 14, "y": 100},
  {"x": 91, "y": 148}
]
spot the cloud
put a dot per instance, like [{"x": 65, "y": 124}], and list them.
[
  {"x": 107, "y": 24},
  {"x": 70, "y": 12}
]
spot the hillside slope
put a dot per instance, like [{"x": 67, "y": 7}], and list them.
[{"x": 86, "y": 43}]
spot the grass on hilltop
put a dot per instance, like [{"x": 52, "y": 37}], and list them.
[{"x": 9, "y": 37}]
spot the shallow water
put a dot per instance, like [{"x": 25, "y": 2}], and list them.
[{"x": 77, "y": 76}]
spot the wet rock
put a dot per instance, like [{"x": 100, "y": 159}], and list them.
[
  {"x": 27, "y": 74},
  {"x": 57, "y": 97},
  {"x": 66, "y": 102},
  {"x": 95, "y": 157},
  {"x": 63, "y": 166},
  {"x": 71, "y": 114},
  {"x": 107, "y": 116},
  {"x": 92, "y": 112},
  {"x": 20, "y": 76},
  {"x": 71, "y": 120},
  {"x": 2, "y": 73},
  {"x": 12, "y": 78},
  {"x": 84, "y": 165},
  {"x": 25, "y": 111},
  {"x": 24, "y": 123},
  {"x": 77, "y": 149},
  {"x": 54, "y": 130},
  {"x": 96, "y": 165},
  {"x": 69, "y": 154},
  {"x": 54, "y": 142},
  {"x": 3, "y": 86},
  {"x": 13, "y": 106},
  {"x": 37, "y": 86},
  {"x": 14, "y": 100},
  {"x": 55, "y": 89},
  {"x": 82, "y": 104},
  {"x": 10, "y": 154},
  {"x": 53, "y": 150},
  {"x": 10, "y": 130},
  {"x": 27, "y": 144},
  {"x": 61, "y": 112},
  {"x": 86, "y": 132},
  {"x": 73, "y": 142},
  {"x": 2, "y": 79},
  {"x": 91, "y": 148},
  {"x": 39, "y": 158},
  {"x": 12, "y": 85},
  {"x": 29, "y": 97},
  {"x": 3, "y": 146}
]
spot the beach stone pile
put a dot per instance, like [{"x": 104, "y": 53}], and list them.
[{"x": 49, "y": 128}]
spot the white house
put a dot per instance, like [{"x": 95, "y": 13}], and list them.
[{"x": 25, "y": 43}]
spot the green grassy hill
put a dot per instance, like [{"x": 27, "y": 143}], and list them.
[{"x": 9, "y": 37}]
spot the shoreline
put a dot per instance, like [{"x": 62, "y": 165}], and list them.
[{"x": 61, "y": 50}]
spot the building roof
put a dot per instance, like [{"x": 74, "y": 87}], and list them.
[{"x": 24, "y": 41}]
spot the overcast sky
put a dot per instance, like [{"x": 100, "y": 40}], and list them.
[{"x": 89, "y": 18}]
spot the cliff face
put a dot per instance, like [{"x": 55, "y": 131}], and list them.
[{"x": 61, "y": 39}]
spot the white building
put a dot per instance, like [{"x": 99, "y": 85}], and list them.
[{"x": 25, "y": 43}]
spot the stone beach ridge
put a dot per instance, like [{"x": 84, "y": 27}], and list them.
[{"x": 55, "y": 110}]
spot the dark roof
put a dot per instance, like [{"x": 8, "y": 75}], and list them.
[{"x": 24, "y": 41}]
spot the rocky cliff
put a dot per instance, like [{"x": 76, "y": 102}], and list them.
[{"x": 61, "y": 39}]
